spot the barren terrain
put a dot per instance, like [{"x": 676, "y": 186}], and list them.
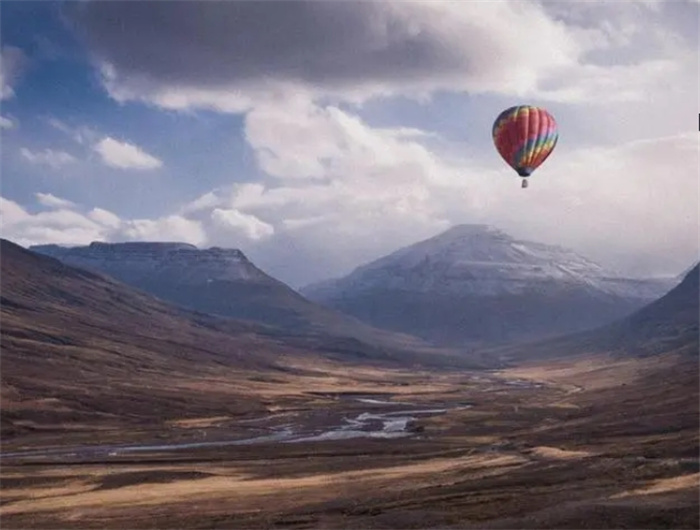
[
  {"x": 119, "y": 411},
  {"x": 523, "y": 455}
]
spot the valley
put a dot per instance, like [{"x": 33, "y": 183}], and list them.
[
  {"x": 385, "y": 264},
  {"x": 493, "y": 452},
  {"x": 120, "y": 410}
]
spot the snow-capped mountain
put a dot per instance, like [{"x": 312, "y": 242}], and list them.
[
  {"x": 474, "y": 282},
  {"x": 481, "y": 260},
  {"x": 216, "y": 281}
]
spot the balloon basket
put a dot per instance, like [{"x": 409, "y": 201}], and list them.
[{"x": 524, "y": 184}]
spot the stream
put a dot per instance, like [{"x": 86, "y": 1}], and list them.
[{"x": 377, "y": 423}]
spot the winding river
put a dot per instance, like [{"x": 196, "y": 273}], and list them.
[{"x": 378, "y": 423}]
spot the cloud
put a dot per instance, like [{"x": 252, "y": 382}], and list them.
[
  {"x": 104, "y": 218},
  {"x": 59, "y": 226},
  {"x": 309, "y": 141},
  {"x": 124, "y": 155},
  {"x": 204, "y": 202},
  {"x": 11, "y": 212},
  {"x": 48, "y": 157},
  {"x": 51, "y": 201},
  {"x": 226, "y": 56},
  {"x": 632, "y": 206},
  {"x": 369, "y": 191},
  {"x": 236, "y": 223},
  {"x": 12, "y": 64},
  {"x": 335, "y": 190},
  {"x": 339, "y": 192},
  {"x": 169, "y": 228},
  {"x": 339, "y": 184},
  {"x": 63, "y": 224},
  {"x": 6, "y": 123}
]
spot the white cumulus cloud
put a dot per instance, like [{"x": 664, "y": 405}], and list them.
[
  {"x": 169, "y": 228},
  {"x": 237, "y": 223},
  {"x": 124, "y": 155},
  {"x": 65, "y": 225},
  {"x": 11, "y": 213},
  {"x": 59, "y": 226},
  {"x": 104, "y": 218}
]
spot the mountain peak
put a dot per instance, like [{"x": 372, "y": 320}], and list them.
[
  {"x": 482, "y": 259},
  {"x": 465, "y": 250},
  {"x": 474, "y": 281}
]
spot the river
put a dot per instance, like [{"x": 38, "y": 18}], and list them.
[{"x": 384, "y": 420}]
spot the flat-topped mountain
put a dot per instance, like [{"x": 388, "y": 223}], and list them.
[
  {"x": 179, "y": 262},
  {"x": 217, "y": 281}
]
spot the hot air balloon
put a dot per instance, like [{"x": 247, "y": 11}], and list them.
[{"x": 525, "y": 136}]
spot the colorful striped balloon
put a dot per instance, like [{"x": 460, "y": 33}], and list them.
[{"x": 525, "y": 136}]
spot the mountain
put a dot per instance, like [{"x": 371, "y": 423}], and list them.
[
  {"x": 219, "y": 282},
  {"x": 669, "y": 324},
  {"x": 475, "y": 284},
  {"x": 79, "y": 348}
]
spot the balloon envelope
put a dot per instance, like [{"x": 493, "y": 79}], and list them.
[{"x": 525, "y": 136}]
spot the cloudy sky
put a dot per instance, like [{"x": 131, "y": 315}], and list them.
[{"x": 316, "y": 136}]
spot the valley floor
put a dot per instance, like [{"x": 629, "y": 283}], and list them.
[{"x": 595, "y": 443}]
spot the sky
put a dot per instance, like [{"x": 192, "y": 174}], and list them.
[{"x": 317, "y": 136}]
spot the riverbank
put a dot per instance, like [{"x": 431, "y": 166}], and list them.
[{"x": 489, "y": 453}]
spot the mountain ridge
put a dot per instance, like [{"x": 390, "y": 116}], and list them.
[
  {"x": 454, "y": 287},
  {"x": 220, "y": 282}
]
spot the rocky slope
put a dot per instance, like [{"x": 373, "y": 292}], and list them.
[{"x": 476, "y": 284}]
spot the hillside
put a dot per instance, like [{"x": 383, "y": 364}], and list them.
[
  {"x": 669, "y": 324},
  {"x": 80, "y": 348},
  {"x": 219, "y": 282}
]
